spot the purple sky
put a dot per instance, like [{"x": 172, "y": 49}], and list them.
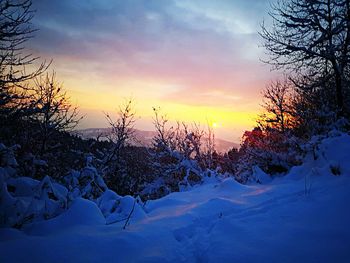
[{"x": 197, "y": 60}]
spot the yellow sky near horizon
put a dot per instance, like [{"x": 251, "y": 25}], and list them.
[
  {"x": 230, "y": 124},
  {"x": 197, "y": 61}
]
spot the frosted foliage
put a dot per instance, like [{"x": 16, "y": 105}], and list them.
[{"x": 87, "y": 183}]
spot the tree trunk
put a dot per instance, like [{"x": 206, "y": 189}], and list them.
[{"x": 339, "y": 93}]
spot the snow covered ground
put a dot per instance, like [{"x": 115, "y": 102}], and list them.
[{"x": 302, "y": 217}]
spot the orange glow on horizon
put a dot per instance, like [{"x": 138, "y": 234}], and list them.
[
  {"x": 195, "y": 71},
  {"x": 227, "y": 123},
  {"x": 94, "y": 97}
]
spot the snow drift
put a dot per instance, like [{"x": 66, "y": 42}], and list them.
[{"x": 301, "y": 217}]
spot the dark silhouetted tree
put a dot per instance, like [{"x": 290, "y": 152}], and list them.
[
  {"x": 15, "y": 31},
  {"x": 277, "y": 99},
  {"x": 122, "y": 130},
  {"x": 115, "y": 163},
  {"x": 312, "y": 38},
  {"x": 53, "y": 109}
]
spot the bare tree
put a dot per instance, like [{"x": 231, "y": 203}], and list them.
[
  {"x": 183, "y": 138},
  {"x": 53, "y": 110},
  {"x": 311, "y": 37},
  {"x": 277, "y": 105},
  {"x": 178, "y": 153},
  {"x": 15, "y": 31},
  {"x": 122, "y": 130},
  {"x": 209, "y": 149},
  {"x": 165, "y": 136},
  {"x": 189, "y": 140},
  {"x": 117, "y": 162}
]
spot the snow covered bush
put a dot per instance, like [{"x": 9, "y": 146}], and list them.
[
  {"x": 178, "y": 157},
  {"x": 25, "y": 200},
  {"x": 87, "y": 183},
  {"x": 7, "y": 156},
  {"x": 124, "y": 166},
  {"x": 116, "y": 208},
  {"x": 8, "y": 162},
  {"x": 272, "y": 151}
]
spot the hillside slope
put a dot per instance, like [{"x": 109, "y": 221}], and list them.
[
  {"x": 145, "y": 138},
  {"x": 302, "y": 217}
]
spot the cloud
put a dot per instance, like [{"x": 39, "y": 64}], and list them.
[{"x": 205, "y": 48}]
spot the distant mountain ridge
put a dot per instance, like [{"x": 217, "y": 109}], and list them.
[{"x": 144, "y": 138}]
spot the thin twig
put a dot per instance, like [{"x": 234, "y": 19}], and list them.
[{"x": 132, "y": 210}]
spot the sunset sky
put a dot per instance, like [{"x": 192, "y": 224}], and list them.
[{"x": 197, "y": 60}]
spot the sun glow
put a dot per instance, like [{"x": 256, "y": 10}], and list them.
[{"x": 228, "y": 124}]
